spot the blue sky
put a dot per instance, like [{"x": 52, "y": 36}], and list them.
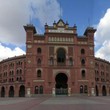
[{"x": 83, "y": 13}]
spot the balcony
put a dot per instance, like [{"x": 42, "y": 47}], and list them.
[{"x": 61, "y": 64}]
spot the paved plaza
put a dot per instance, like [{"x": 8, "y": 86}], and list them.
[{"x": 56, "y": 103}]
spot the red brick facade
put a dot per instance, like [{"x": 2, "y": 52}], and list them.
[{"x": 58, "y": 62}]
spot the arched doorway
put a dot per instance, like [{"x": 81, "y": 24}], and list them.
[
  {"x": 36, "y": 91},
  {"x": 104, "y": 93},
  {"x": 81, "y": 89},
  {"x": 22, "y": 91},
  {"x": 61, "y": 84},
  {"x": 11, "y": 91},
  {"x": 2, "y": 92},
  {"x": 41, "y": 89},
  {"x": 97, "y": 91}
]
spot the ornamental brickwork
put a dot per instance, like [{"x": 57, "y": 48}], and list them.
[{"x": 57, "y": 62}]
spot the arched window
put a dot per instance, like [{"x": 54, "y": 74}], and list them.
[
  {"x": 39, "y": 50},
  {"x": 61, "y": 56},
  {"x": 51, "y": 61},
  {"x": 39, "y": 61},
  {"x": 70, "y": 61},
  {"x": 83, "y": 61},
  {"x": 39, "y": 73},
  {"x": 20, "y": 79},
  {"x": 12, "y": 79},
  {"x": 19, "y": 63},
  {"x": 82, "y": 51},
  {"x": 20, "y": 71},
  {"x": 6, "y": 74},
  {"x": 17, "y": 79},
  {"x": 17, "y": 72},
  {"x": 97, "y": 73},
  {"x": 12, "y": 73},
  {"x": 83, "y": 73}
]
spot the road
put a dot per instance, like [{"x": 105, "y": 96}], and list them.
[{"x": 56, "y": 103}]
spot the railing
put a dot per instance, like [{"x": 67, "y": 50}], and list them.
[
  {"x": 61, "y": 91},
  {"x": 61, "y": 64}
]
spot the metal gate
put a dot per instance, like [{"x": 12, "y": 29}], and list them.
[{"x": 61, "y": 91}]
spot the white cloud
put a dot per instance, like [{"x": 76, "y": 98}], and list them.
[
  {"x": 15, "y": 13},
  {"x": 46, "y": 11},
  {"x": 102, "y": 37},
  {"x": 6, "y": 52},
  {"x": 104, "y": 52},
  {"x": 103, "y": 28}
]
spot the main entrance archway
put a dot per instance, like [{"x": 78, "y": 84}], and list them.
[{"x": 61, "y": 86}]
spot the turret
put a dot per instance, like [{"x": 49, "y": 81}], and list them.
[
  {"x": 30, "y": 31},
  {"x": 89, "y": 32}
]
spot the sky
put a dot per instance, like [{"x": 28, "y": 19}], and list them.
[{"x": 14, "y": 14}]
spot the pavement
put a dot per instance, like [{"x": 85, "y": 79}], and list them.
[{"x": 56, "y": 103}]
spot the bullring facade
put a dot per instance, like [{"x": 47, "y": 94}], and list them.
[{"x": 57, "y": 62}]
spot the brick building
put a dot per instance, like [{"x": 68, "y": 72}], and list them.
[{"x": 57, "y": 62}]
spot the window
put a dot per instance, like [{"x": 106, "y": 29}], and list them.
[
  {"x": 20, "y": 71},
  {"x": 17, "y": 79},
  {"x": 70, "y": 61},
  {"x": 39, "y": 73},
  {"x": 83, "y": 73},
  {"x": 12, "y": 73},
  {"x": 82, "y": 51},
  {"x": 97, "y": 73},
  {"x": 96, "y": 79},
  {"x": 39, "y": 61},
  {"x": 12, "y": 80},
  {"x": 61, "y": 56},
  {"x": 39, "y": 50},
  {"x": 83, "y": 61},
  {"x": 17, "y": 72},
  {"x": 6, "y": 74},
  {"x": 51, "y": 61},
  {"x": 20, "y": 79},
  {"x": 96, "y": 65}
]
